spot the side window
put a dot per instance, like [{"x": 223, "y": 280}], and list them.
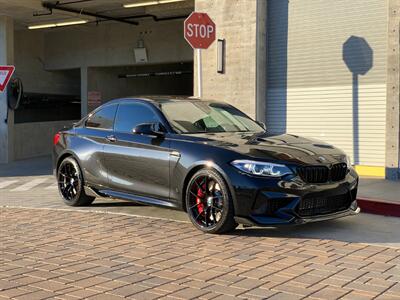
[
  {"x": 130, "y": 115},
  {"x": 103, "y": 119}
]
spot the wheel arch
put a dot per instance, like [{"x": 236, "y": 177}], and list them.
[
  {"x": 69, "y": 154},
  {"x": 206, "y": 165},
  {"x": 61, "y": 158}
]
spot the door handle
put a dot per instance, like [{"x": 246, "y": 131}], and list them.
[
  {"x": 111, "y": 138},
  {"x": 175, "y": 154}
]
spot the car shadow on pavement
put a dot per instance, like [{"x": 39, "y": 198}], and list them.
[
  {"x": 363, "y": 228},
  {"x": 115, "y": 204}
]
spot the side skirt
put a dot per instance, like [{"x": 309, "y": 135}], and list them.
[{"x": 135, "y": 198}]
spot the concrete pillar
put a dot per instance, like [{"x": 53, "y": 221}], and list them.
[
  {"x": 236, "y": 22},
  {"x": 261, "y": 61},
  {"x": 84, "y": 91},
  {"x": 6, "y": 115},
  {"x": 393, "y": 95}
]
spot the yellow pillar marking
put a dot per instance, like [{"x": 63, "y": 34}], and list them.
[{"x": 370, "y": 171}]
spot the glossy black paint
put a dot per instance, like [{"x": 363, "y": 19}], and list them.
[{"x": 155, "y": 168}]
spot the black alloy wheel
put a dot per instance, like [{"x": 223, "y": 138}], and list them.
[
  {"x": 70, "y": 183},
  {"x": 209, "y": 204}
]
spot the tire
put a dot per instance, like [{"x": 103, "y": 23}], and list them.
[
  {"x": 209, "y": 203},
  {"x": 71, "y": 184}
]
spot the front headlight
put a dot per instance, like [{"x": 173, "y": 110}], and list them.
[{"x": 261, "y": 168}]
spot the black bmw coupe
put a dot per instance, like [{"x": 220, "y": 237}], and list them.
[{"x": 206, "y": 158}]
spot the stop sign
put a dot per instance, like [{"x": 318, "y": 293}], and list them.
[{"x": 199, "y": 30}]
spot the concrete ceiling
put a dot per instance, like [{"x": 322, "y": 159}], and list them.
[{"x": 22, "y": 11}]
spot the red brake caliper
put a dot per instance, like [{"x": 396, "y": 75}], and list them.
[{"x": 200, "y": 195}]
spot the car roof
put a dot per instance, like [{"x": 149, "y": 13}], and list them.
[
  {"x": 159, "y": 99},
  {"x": 162, "y": 98}
]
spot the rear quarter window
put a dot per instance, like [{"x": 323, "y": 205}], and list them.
[{"x": 103, "y": 118}]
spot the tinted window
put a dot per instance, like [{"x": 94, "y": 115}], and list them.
[
  {"x": 130, "y": 115},
  {"x": 104, "y": 118}
]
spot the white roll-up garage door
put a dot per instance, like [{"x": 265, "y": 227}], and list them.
[{"x": 327, "y": 73}]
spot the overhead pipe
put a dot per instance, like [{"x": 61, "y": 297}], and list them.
[
  {"x": 157, "y": 19},
  {"x": 39, "y": 13},
  {"x": 51, "y": 6},
  {"x": 73, "y": 2}
]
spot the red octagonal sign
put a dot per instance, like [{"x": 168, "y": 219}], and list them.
[{"x": 199, "y": 30}]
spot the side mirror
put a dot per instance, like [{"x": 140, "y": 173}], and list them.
[
  {"x": 262, "y": 124},
  {"x": 155, "y": 129}
]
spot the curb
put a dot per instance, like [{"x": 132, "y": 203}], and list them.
[{"x": 379, "y": 207}]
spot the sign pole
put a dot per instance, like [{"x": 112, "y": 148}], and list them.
[
  {"x": 199, "y": 74},
  {"x": 199, "y": 32}
]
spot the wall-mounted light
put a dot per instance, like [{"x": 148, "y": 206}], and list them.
[
  {"x": 58, "y": 24},
  {"x": 221, "y": 56},
  {"x": 149, "y": 3},
  {"x": 140, "y": 52}
]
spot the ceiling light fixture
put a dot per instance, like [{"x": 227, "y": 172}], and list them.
[
  {"x": 41, "y": 26},
  {"x": 148, "y": 3},
  {"x": 140, "y": 4},
  {"x": 169, "y": 1},
  {"x": 58, "y": 24}
]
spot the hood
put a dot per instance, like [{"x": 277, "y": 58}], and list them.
[{"x": 285, "y": 147}]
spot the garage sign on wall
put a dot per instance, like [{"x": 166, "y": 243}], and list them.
[
  {"x": 94, "y": 99},
  {"x": 5, "y": 76}
]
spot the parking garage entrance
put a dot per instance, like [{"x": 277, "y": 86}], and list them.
[
  {"x": 72, "y": 56},
  {"x": 106, "y": 83}
]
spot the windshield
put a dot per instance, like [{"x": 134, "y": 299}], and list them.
[{"x": 201, "y": 117}]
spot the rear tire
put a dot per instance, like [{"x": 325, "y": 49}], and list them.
[
  {"x": 71, "y": 184},
  {"x": 209, "y": 203}
]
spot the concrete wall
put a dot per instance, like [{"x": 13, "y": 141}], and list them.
[
  {"x": 35, "y": 139},
  {"x": 29, "y": 52},
  {"x": 30, "y": 67},
  {"x": 236, "y": 23},
  {"x": 112, "y": 44}
]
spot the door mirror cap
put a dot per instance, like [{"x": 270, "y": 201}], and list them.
[{"x": 155, "y": 129}]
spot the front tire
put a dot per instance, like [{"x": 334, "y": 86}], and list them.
[
  {"x": 209, "y": 203},
  {"x": 71, "y": 185}
]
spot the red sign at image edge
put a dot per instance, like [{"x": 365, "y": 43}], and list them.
[{"x": 5, "y": 75}]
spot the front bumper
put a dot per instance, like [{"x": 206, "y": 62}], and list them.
[
  {"x": 349, "y": 212},
  {"x": 273, "y": 202},
  {"x": 300, "y": 220}
]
